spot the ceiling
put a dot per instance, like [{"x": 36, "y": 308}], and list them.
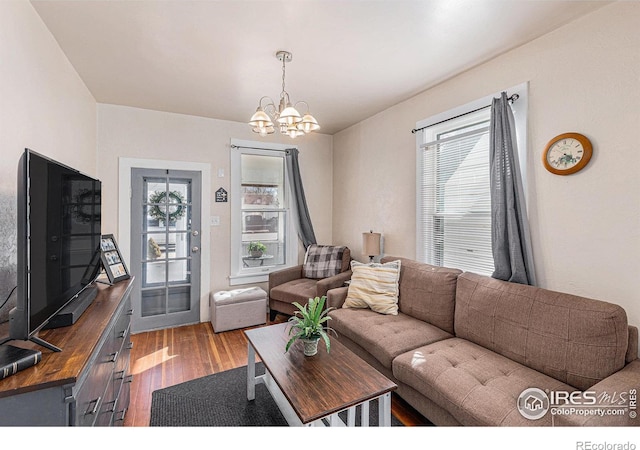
[{"x": 351, "y": 58}]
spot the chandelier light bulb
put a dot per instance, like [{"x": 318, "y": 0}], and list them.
[{"x": 293, "y": 131}]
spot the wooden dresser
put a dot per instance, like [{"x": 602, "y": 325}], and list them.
[{"x": 87, "y": 383}]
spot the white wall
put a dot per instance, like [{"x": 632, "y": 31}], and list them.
[
  {"x": 144, "y": 134},
  {"x": 45, "y": 106},
  {"x": 583, "y": 77}
]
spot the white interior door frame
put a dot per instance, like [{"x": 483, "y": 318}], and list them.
[{"x": 124, "y": 215}]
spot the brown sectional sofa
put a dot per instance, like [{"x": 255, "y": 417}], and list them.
[{"x": 463, "y": 347}]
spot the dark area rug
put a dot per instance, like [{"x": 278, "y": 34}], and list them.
[{"x": 220, "y": 400}]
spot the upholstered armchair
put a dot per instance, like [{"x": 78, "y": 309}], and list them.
[{"x": 325, "y": 267}]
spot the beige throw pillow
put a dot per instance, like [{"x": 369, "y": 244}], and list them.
[{"x": 374, "y": 286}]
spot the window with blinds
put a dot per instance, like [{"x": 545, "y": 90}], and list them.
[
  {"x": 454, "y": 201},
  {"x": 263, "y": 237}
]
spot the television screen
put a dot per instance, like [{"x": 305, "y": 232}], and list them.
[{"x": 58, "y": 239}]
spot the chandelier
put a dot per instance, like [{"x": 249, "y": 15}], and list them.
[{"x": 285, "y": 116}]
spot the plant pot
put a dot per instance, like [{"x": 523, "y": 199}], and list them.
[
  {"x": 310, "y": 346},
  {"x": 256, "y": 253}
]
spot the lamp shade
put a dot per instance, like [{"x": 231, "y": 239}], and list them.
[
  {"x": 308, "y": 124},
  {"x": 371, "y": 244},
  {"x": 260, "y": 119},
  {"x": 289, "y": 116}
]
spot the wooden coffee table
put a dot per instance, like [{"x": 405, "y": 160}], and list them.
[{"x": 308, "y": 389}]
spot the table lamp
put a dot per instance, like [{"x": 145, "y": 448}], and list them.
[{"x": 371, "y": 244}]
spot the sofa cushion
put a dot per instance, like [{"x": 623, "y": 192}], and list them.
[
  {"x": 576, "y": 340},
  {"x": 477, "y": 386},
  {"x": 384, "y": 336},
  {"x": 427, "y": 292},
  {"x": 300, "y": 290},
  {"x": 323, "y": 261},
  {"x": 374, "y": 286}
]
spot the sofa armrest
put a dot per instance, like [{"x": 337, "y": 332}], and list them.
[
  {"x": 336, "y": 297},
  {"x": 632, "y": 349},
  {"x": 336, "y": 281},
  {"x": 284, "y": 276},
  {"x": 615, "y": 386}
]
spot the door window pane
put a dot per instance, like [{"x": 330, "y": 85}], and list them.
[
  {"x": 179, "y": 299},
  {"x": 154, "y": 273},
  {"x": 179, "y": 272},
  {"x": 153, "y": 302}
]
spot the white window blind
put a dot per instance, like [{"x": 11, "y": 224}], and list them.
[{"x": 454, "y": 202}]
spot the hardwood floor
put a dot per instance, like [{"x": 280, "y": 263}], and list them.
[{"x": 166, "y": 357}]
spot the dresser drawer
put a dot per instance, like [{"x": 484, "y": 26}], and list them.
[
  {"x": 97, "y": 387},
  {"x": 105, "y": 411},
  {"x": 123, "y": 321},
  {"x": 122, "y": 402}
]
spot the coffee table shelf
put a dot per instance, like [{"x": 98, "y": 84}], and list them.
[{"x": 308, "y": 389}]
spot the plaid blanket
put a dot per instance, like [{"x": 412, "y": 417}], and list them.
[{"x": 322, "y": 261}]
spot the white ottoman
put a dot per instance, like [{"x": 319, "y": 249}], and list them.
[{"x": 238, "y": 308}]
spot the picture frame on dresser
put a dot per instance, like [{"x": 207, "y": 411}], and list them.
[{"x": 112, "y": 261}]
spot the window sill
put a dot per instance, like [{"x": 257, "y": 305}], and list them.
[{"x": 249, "y": 278}]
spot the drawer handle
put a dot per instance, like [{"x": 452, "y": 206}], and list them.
[
  {"x": 95, "y": 403},
  {"x": 130, "y": 312},
  {"x": 121, "y": 418},
  {"x": 114, "y": 357},
  {"x": 130, "y": 345},
  {"x": 120, "y": 375},
  {"x": 113, "y": 406},
  {"x": 123, "y": 333},
  {"x": 128, "y": 379}
]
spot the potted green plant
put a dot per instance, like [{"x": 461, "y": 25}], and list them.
[
  {"x": 256, "y": 249},
  {"x": 309, "y": 325}
]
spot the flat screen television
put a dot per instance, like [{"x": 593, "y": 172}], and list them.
[{"x": 58, "y": 244}]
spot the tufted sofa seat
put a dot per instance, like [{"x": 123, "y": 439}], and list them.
[
  {"x": 479, "y": 386},
  {"x": 464, "y": 347},
  {"x": 386, "y": 337}
]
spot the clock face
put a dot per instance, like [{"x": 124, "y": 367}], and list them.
[{"x": 567, "y": 153}]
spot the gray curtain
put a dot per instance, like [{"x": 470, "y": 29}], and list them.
[
  {"x": 305, "y": 228},
  {"x": 510, "y": 239}
]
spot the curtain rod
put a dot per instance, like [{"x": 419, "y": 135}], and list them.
[
  {"x": 511, "y": 99},
  {"x": 260, "y": 148}
]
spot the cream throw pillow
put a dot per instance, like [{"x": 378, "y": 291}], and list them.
[{"x": 374, "y": 286}]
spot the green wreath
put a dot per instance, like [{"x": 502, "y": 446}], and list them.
[{"x": 174, "y": 204}]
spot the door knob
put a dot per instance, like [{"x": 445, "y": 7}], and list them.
[
  {"x": 195, "y": 249},
  {"x": 195, "y": 232}
]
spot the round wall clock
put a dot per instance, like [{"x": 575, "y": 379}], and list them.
[{"x": 567, "y": 153}]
